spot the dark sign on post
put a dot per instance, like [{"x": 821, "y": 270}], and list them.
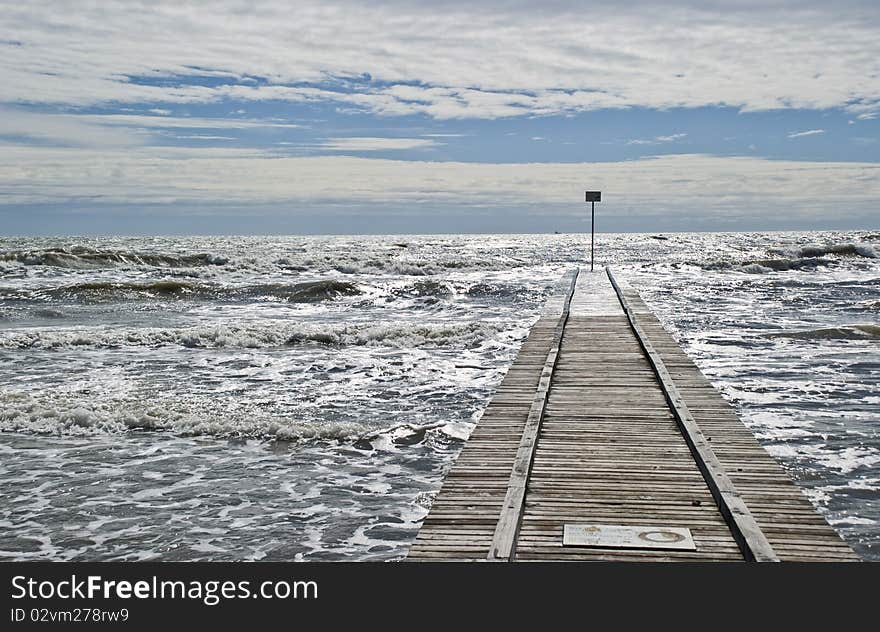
[{"x": 592, "y": 198}]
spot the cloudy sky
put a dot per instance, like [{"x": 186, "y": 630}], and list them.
[{"x": 444, "y": 116}]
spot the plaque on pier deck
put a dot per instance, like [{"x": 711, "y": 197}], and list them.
[{"x": 628, "y": 537}]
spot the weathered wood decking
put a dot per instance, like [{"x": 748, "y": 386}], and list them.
[{"x": 600, "y": 440}]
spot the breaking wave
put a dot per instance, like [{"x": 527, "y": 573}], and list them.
[
  {"x": 306, "y": 292},
  {"x": 501, "y": 291},
  {"x": 427, "y": 288},
  {"x": 843, "y": 332},
  {"x": 101, "y": 291},
  {"x": 843, "y": 250},
  {"x": 802, "y": 258},
  {"x": 761, "y": 266},
  {"x": 80, "y": 257},
  {"x": 47, "y": 414},
  {"x": 418, "y": 267},
  {"x": 260, "y": 335}
]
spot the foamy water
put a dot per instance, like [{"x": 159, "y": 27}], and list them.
[{"x": 301, "y": 398}]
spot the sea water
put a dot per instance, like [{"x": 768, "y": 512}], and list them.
[{"x": 288, "y": 398}]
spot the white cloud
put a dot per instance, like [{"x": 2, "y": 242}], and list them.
[
  {"x": 671, "y": 138},
  {"x": 136, "y": 120},
  {"x": 809, "y": 132},
  {"x": 708, "y": 186},
  {"x": 113, "y": 130},
  {"x": 203, "y": 137},
  {"x": 447, "y": 60},
  {"x": 64, "y": 130},
  {"x": 368, "y": 143}
]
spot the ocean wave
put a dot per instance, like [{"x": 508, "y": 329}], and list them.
[
  {"x": 259, "y": 335},
  {"x": 396, "y": 261},
  {"x": 416, "y": 267},
  {"x": 848, "y": 249},
  {"x": 397, "y": 268},
  {"x": 841, "y": 332},
  {"x": 103, "y": 291},
  {"x": 306, "y": 292},
  {"x": 763, "y": 266},
  {"x": 48, "y": 312},
  {"x": 70, "y": 415},
  {"x": 81, "y": 257},
  {"x": 501, "y": 291},
  {"x": 427, "y": 288},
  {"x": 96, "y": 292},
  {"x": 786, "y": 259}
]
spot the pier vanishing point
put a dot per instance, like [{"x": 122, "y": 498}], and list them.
[{"x": 605, "y": 442}]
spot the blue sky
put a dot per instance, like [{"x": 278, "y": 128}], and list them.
[{"x": 325, "y": 117}]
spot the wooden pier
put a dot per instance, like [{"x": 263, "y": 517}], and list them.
[{"x": 605, "y": 442}]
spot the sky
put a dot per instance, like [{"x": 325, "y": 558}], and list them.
[{"x": 305, "y": 117}]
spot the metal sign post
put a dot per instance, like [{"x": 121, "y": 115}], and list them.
[{"x": 592, "y": 197}]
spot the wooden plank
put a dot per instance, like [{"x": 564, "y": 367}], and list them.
[
  {"x": 752, "y": 541},
  {"x": 485, "y": 462},
  {"x": 612, "y": 454},
  {"x": 506, "y": 531},
  {"x": 607, "y": 449}
]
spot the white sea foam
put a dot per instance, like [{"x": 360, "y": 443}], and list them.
[
  {"x": 845, "y": 461},
  {"x": 65, "y": 414},
  {"x": 260, "y": 335}
]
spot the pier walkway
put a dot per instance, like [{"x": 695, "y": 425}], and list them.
[{"x": 605, "y": 442}]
